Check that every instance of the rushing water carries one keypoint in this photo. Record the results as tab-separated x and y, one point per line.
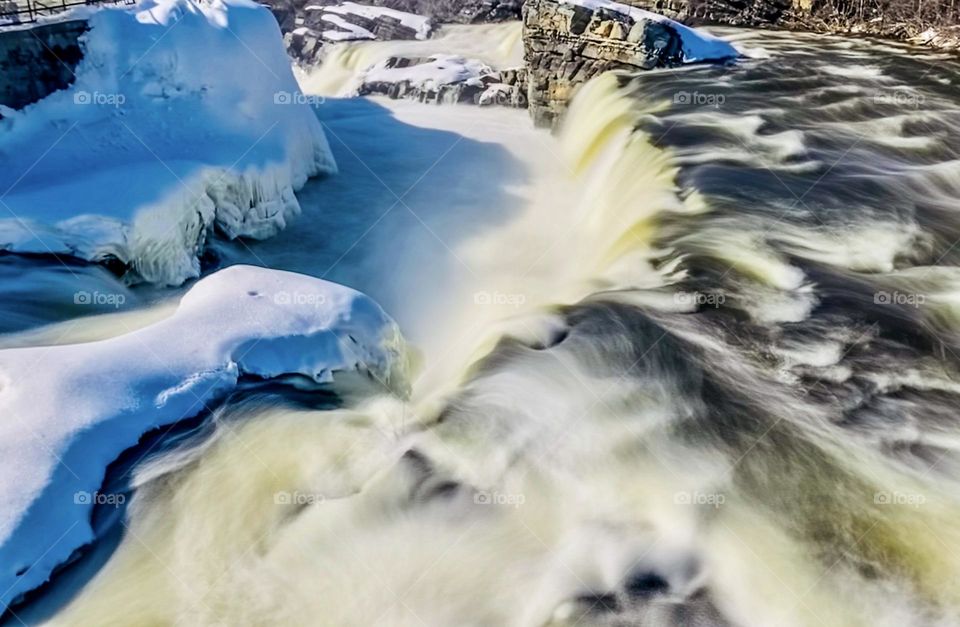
692	362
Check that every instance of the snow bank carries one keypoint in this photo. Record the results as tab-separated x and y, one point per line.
185	117
59	431
697	44
421	24
440	69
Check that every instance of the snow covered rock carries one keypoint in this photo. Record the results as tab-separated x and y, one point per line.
184	119
504	95
60	430
318	25
439	11
380	17
941	37
568	42
439	78
696	45
445	79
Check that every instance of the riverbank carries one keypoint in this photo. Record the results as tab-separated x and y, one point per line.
946	38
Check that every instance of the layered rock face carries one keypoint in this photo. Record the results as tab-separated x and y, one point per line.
35	62
566	45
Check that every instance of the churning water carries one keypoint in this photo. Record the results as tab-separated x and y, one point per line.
697	366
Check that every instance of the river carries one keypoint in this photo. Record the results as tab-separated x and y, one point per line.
691	361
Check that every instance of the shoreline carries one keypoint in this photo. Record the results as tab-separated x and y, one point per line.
933	38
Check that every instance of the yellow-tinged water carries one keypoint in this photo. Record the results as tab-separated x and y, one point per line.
593	426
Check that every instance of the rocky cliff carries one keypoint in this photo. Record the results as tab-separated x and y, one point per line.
37	61
567	44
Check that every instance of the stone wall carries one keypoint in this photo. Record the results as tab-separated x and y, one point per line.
567	45
35	62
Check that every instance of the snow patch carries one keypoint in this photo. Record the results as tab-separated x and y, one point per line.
59	431
184	118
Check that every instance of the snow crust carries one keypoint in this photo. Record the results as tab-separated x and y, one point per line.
59	431
184	118
697	44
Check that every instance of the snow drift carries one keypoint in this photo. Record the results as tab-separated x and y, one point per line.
184	118
59	432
